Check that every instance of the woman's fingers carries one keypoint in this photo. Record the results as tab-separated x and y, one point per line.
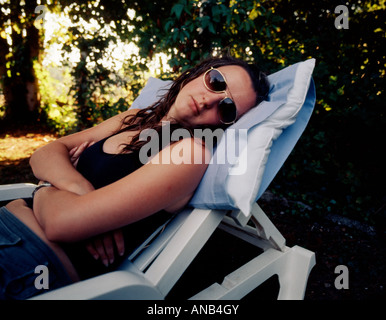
102	247
91	249
108	245
75	152
119	241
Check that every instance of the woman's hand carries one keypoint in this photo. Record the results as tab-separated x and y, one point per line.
75	152
102	246
74	155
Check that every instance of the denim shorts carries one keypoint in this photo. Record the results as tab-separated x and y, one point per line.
21	251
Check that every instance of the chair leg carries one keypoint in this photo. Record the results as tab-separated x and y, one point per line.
293	277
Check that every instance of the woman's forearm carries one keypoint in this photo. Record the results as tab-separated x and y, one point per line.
48	206
52	163
66	217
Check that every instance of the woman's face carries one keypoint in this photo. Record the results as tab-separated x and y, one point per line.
195	105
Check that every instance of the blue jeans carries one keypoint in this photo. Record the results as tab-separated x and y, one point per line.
21	251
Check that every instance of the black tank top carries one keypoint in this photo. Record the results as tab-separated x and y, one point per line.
101	169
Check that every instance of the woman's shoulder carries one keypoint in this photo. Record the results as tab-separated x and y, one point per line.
129	112
189	150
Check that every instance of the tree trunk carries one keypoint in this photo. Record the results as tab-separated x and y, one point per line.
33	46
20	85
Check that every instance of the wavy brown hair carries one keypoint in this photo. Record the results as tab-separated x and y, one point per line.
150	117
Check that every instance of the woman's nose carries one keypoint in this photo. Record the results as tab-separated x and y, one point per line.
212	99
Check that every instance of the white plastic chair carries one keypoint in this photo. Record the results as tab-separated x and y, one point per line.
153	269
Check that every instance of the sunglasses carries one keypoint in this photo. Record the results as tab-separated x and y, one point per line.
215	81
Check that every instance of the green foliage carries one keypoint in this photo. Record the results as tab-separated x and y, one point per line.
341	150
92	86
191	30
56	108
97	89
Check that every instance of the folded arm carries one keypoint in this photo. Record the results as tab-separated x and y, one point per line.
52	162
66	216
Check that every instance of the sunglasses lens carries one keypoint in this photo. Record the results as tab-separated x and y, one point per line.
227	111
215	81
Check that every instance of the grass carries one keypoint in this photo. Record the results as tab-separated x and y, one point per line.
14	148
15	151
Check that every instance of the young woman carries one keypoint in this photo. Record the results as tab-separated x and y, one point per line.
111	196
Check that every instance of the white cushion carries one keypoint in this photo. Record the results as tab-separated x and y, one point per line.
151	93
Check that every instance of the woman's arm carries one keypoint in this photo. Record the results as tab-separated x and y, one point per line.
52	162
68	217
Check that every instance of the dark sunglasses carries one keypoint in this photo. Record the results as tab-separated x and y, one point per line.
215	81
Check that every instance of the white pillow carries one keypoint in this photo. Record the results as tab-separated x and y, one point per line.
151	93
235	184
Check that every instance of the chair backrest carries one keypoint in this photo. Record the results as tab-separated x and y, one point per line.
282	147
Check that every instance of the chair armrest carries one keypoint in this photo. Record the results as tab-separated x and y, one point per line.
116	285
16	191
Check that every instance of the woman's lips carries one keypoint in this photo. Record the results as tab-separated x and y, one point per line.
195	108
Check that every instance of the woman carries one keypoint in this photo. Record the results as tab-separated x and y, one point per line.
111	193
